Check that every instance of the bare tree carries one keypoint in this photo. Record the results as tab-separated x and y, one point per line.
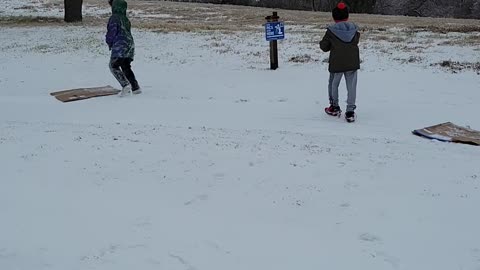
413	7
73	10
390	7
431	8
476	10
365	6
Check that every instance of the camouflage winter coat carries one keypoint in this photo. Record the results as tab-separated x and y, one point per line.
119	37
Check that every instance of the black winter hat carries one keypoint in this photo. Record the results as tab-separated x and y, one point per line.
340	12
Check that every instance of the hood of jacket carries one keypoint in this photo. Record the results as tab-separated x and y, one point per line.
119	7
345	31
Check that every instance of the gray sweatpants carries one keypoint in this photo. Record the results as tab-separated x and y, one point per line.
334	82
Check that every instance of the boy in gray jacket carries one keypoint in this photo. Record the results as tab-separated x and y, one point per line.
341	40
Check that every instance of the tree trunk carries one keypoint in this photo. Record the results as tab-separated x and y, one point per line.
476	10
73	10
414	8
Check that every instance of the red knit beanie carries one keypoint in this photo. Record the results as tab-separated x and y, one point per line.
340	12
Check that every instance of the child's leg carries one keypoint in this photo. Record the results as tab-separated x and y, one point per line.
351	80
333	84
127	70
115	64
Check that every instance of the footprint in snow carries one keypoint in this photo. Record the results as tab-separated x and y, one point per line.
201	197
367	237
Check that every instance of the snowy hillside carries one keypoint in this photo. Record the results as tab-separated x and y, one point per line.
224	164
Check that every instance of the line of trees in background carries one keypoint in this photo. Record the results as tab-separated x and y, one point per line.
419	8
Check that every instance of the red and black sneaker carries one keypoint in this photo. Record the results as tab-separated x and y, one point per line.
333	110
350	116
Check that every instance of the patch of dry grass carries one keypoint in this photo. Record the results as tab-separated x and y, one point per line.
207	17
456	67
411	60
304	58
469	40
29	21
404	34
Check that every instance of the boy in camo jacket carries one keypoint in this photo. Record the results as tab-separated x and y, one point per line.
120	41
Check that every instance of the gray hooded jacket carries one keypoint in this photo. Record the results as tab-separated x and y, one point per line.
341	40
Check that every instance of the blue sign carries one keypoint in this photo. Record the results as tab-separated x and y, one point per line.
274	31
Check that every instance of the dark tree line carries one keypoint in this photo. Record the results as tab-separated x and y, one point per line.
421	8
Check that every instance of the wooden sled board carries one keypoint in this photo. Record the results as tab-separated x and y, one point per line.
449	132
84	93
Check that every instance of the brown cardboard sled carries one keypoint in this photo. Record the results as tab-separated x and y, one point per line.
84	93
449	132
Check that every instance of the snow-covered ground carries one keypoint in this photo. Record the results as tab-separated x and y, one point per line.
43	8
224	164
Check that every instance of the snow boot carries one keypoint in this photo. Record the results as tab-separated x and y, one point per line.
333	110
350	116
126	90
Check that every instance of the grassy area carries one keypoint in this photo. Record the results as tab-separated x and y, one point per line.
29	21
174	16
384	34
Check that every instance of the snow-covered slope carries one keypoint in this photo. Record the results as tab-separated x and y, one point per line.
224	164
